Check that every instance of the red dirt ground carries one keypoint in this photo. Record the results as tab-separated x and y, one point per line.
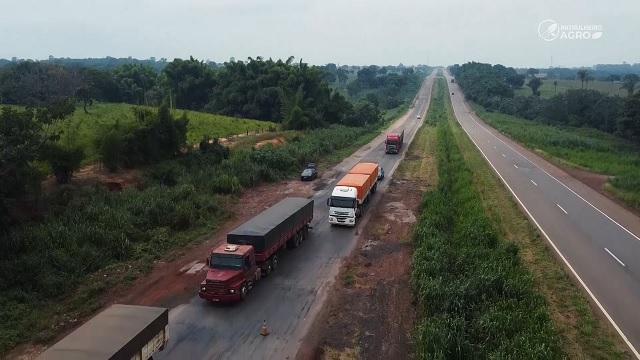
375	283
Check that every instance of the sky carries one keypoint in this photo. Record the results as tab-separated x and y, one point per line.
352	32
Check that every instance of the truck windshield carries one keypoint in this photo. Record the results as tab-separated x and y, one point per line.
219	261
342	202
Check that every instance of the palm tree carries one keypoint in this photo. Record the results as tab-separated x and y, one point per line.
555	87
586	81
629	83
583	75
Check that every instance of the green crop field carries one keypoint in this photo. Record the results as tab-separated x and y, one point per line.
548	90
82	128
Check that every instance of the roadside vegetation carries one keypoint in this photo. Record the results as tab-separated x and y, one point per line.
63	247
582	128
475	296
582	334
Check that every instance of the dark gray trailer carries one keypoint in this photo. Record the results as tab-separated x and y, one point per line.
121	332
284	223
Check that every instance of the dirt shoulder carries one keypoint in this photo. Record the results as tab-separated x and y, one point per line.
375	283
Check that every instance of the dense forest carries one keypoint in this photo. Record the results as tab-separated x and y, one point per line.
493	87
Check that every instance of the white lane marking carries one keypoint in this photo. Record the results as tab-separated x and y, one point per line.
515	166
615	257
504	156
534	183
565	211
494	147
573	271
560	182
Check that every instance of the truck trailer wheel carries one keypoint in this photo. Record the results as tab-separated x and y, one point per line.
274	262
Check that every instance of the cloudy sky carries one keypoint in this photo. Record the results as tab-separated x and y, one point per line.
358	32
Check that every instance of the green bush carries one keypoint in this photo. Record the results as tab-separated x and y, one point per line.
64	160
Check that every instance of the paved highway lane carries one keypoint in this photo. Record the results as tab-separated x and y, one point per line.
292	295
597	239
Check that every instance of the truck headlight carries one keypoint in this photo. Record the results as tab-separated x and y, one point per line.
203	288
232	291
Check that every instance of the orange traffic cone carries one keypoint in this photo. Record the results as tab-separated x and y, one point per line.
264	331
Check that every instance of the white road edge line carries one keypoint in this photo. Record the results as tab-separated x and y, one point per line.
560	182
565	211
615	257
534	183
633	349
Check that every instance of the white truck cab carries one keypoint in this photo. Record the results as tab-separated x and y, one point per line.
343	206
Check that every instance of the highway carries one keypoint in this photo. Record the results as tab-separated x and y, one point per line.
597	239
293	294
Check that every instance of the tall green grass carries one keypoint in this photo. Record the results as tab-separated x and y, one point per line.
88	230
475	298
585	148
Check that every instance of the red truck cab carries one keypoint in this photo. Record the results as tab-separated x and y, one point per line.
232	272
393	142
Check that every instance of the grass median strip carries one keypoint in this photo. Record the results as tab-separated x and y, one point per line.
475	297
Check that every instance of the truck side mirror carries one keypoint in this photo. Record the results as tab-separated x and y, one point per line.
328	202
385	141
207	260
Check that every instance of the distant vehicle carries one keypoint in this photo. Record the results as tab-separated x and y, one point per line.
451	93
380	173
452	80
119	332
419	117
310	173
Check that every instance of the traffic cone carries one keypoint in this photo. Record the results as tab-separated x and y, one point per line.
264	331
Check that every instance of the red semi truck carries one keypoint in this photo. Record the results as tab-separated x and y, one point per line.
394	142
252	249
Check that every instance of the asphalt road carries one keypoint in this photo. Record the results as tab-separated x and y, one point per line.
597	239
292	295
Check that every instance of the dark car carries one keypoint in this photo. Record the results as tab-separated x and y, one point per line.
380	173
310	173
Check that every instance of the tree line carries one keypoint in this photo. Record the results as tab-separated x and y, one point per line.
295	94
492	86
